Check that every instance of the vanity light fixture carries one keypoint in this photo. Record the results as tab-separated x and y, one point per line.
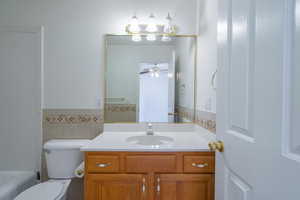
168	27
151	26
134	26
151	29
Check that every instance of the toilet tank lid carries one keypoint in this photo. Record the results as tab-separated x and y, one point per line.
65	144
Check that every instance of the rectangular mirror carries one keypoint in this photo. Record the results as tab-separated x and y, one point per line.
150	81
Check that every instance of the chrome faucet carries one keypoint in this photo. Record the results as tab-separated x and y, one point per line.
149	129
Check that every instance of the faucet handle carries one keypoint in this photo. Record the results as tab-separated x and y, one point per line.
149	129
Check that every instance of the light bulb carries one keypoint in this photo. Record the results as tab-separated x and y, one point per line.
136	38
134	26
166	38
151	37
168	28
152	26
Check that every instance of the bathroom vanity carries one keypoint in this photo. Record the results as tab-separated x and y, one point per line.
150	82
117	168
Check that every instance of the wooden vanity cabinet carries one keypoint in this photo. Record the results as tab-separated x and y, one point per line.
116	187
149	176
185	187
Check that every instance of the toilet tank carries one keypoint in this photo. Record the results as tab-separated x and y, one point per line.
63	157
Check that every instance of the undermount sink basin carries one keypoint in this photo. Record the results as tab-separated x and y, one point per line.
149	140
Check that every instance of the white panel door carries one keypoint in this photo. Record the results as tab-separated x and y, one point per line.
20	98
258	102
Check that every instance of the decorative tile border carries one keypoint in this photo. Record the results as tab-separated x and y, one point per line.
204	119
73	116
184	113
207	124
120	107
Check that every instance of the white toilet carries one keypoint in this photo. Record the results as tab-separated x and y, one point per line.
62	158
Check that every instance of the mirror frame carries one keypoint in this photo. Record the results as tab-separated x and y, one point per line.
105	77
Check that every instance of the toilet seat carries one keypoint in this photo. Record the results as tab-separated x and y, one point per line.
50	190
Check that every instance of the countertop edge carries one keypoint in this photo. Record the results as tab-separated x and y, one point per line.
143	150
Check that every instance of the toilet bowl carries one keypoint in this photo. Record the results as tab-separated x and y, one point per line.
62	158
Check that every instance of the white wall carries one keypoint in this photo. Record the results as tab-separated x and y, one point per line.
207	54
74	43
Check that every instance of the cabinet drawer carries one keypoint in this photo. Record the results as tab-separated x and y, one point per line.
151	163
103	163
202	164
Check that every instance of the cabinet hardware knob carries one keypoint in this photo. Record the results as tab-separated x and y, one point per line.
158	185
199	165
144	185
103	165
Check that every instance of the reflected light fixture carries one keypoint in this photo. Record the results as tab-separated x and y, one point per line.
136	38
151	37
166	38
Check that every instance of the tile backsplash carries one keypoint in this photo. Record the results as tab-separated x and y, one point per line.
72	123
204	119
184	114
120	113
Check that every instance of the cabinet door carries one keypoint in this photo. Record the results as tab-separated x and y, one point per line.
184	187
115	187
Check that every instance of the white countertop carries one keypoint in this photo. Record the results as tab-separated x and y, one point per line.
183	141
